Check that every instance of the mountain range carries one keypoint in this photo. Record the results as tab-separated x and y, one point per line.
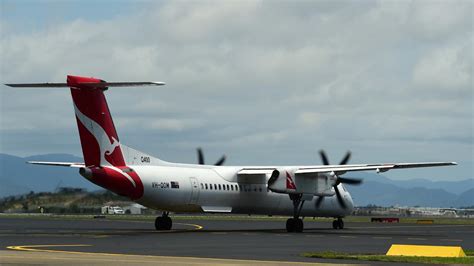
18	177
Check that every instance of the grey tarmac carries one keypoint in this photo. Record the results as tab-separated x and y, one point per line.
100	241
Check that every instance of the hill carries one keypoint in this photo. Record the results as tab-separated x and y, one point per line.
17	177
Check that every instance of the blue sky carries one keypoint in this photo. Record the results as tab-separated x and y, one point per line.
264	82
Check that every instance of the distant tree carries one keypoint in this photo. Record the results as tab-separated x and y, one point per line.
74	208
24	206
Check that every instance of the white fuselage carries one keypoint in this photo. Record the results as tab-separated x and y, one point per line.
197	188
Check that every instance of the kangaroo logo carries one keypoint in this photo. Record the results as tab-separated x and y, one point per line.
289	182
105	145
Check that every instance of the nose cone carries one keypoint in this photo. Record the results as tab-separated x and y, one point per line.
349	203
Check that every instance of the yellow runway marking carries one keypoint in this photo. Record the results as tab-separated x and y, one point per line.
169	259
196	226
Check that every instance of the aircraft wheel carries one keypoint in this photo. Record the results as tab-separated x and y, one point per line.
163	223
168	223
299	225
290	225
338	224
341	223
335	224
159	223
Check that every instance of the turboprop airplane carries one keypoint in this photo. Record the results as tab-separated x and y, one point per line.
296	191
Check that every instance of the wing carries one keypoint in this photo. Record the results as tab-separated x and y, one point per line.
65	164
342	169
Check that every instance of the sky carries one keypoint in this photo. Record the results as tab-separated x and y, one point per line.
265	82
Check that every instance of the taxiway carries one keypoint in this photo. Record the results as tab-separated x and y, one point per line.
244	241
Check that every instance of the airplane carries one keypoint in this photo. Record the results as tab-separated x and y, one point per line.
295	191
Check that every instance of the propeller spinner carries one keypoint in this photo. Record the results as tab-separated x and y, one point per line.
339	180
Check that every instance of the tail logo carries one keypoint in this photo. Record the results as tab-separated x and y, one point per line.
289	182
106	146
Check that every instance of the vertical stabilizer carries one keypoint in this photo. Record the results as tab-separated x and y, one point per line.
99	139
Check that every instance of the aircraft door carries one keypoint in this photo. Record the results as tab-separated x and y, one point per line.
194	190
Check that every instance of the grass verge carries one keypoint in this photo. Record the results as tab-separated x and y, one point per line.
407	259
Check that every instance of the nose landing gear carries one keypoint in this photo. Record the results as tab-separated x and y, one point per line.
163	222
338	224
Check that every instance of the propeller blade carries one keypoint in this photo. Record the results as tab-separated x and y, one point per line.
339	198
221	160
319	201
200	156
350	181
346	158
324	158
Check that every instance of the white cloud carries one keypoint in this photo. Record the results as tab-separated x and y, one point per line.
448	68
267	80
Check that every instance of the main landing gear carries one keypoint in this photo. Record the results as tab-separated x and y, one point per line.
163	222
295	224
338	224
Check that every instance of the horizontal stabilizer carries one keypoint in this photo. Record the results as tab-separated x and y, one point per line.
65	164
87	84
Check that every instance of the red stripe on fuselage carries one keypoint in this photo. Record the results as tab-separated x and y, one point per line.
117	182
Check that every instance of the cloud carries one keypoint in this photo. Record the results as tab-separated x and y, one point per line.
264	81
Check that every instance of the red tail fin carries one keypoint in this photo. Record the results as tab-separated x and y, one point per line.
99	139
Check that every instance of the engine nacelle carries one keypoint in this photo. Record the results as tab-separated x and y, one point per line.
286	181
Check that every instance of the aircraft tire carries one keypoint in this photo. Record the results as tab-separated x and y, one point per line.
168	223
163	223
159	223
335	224
299	226
290	225
341	224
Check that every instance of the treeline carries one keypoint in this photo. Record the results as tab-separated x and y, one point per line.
63	200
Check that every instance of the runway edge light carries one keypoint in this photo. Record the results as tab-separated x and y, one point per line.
426	251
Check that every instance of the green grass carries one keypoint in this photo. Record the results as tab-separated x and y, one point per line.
408	259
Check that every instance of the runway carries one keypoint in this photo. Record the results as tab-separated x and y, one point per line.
235	242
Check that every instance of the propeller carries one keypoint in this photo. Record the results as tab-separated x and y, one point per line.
339	180
200	155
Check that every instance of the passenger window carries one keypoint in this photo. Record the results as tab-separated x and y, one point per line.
202	186
215	187
232	187
219	186
206	186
